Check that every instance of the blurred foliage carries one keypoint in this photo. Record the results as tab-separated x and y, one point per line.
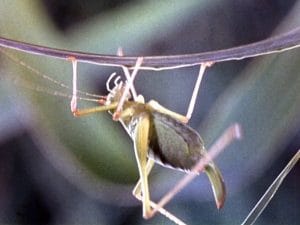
57	169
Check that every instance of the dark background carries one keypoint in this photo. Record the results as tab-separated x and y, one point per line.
34	190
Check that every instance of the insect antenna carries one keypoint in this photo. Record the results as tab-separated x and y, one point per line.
44	76
42	89
38	88
270	192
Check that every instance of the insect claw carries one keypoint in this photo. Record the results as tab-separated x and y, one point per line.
219	205
116	115
147	215
71	58
76	113
209	64
120	51
185	120
73	104
102	101
238	132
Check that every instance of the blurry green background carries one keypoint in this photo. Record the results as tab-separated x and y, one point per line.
57	169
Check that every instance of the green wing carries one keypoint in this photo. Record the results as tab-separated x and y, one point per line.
176	145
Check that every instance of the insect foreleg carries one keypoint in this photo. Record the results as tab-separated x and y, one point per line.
196	88
74	83
137	192
127	75
128	85
82	112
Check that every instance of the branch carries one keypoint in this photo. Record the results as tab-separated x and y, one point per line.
280	43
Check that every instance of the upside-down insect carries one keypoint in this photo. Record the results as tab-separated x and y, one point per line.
159	135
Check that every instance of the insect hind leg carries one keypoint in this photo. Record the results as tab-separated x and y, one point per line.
137	193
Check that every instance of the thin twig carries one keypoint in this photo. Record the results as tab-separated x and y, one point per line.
280	43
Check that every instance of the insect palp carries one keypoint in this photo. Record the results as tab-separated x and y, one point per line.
116	81
128	86
109	80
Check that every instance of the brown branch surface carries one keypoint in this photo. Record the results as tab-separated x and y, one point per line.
275	44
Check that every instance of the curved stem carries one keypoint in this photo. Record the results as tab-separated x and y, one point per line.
280	43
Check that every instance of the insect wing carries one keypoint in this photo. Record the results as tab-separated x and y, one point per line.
174	144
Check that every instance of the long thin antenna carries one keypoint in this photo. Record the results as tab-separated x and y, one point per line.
268	195
49	91
43	75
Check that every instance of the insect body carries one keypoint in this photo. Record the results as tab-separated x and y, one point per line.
159	135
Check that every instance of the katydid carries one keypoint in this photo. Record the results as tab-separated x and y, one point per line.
159	135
